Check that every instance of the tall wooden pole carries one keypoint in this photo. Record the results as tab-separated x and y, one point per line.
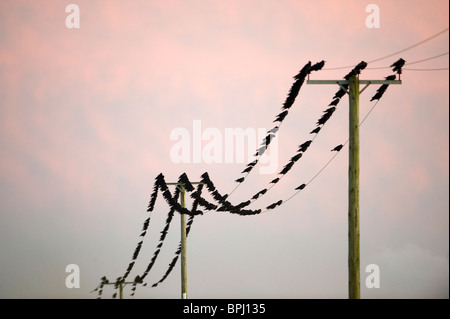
353	192
183	246
353	176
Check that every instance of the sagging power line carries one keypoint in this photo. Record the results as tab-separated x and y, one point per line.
221	201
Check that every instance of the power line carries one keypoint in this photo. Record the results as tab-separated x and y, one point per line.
330	160
414	62
438	69
397	52
427	59
225	205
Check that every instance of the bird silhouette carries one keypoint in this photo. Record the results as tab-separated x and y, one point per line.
356	70
300	187
303	147
272	206
338	148
240	180
287	168
334	102
303	72
280	117
325	117
391	77
361	66
296	157
316	130
273	130
380	92
261	192
339	94
398	65
318	66
247	170
274	181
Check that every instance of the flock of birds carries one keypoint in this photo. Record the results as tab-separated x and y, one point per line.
221	202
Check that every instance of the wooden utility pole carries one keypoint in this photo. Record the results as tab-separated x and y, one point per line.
183	238
121	290
121	285
353	191
183	246
353	175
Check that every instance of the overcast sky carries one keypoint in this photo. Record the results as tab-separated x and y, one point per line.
86	116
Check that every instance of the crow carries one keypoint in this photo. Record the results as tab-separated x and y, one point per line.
380	92
397	66
272	206
296	157
187	184
326	116
261	150
350	74
356	70
247	170
377	96
338	148
334	102
293	92
273	130
318	66
281	116
330	110
287	168
274	181
269	138
301	187
240	180
304	146
391	77
303	72
361	66
316	130
261	192
339	94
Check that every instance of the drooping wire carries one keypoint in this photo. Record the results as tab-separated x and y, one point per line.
271	134
224	205
303	147
397	52
188	228
302	186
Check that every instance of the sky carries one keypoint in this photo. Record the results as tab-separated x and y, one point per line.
87	114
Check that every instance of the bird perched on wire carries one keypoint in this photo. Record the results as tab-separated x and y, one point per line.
356	70
398	65
334	102
391	77
272	206
339	94
361	66
380	92
338	148
304	146
318	66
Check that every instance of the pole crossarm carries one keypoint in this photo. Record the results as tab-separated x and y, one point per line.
341	82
